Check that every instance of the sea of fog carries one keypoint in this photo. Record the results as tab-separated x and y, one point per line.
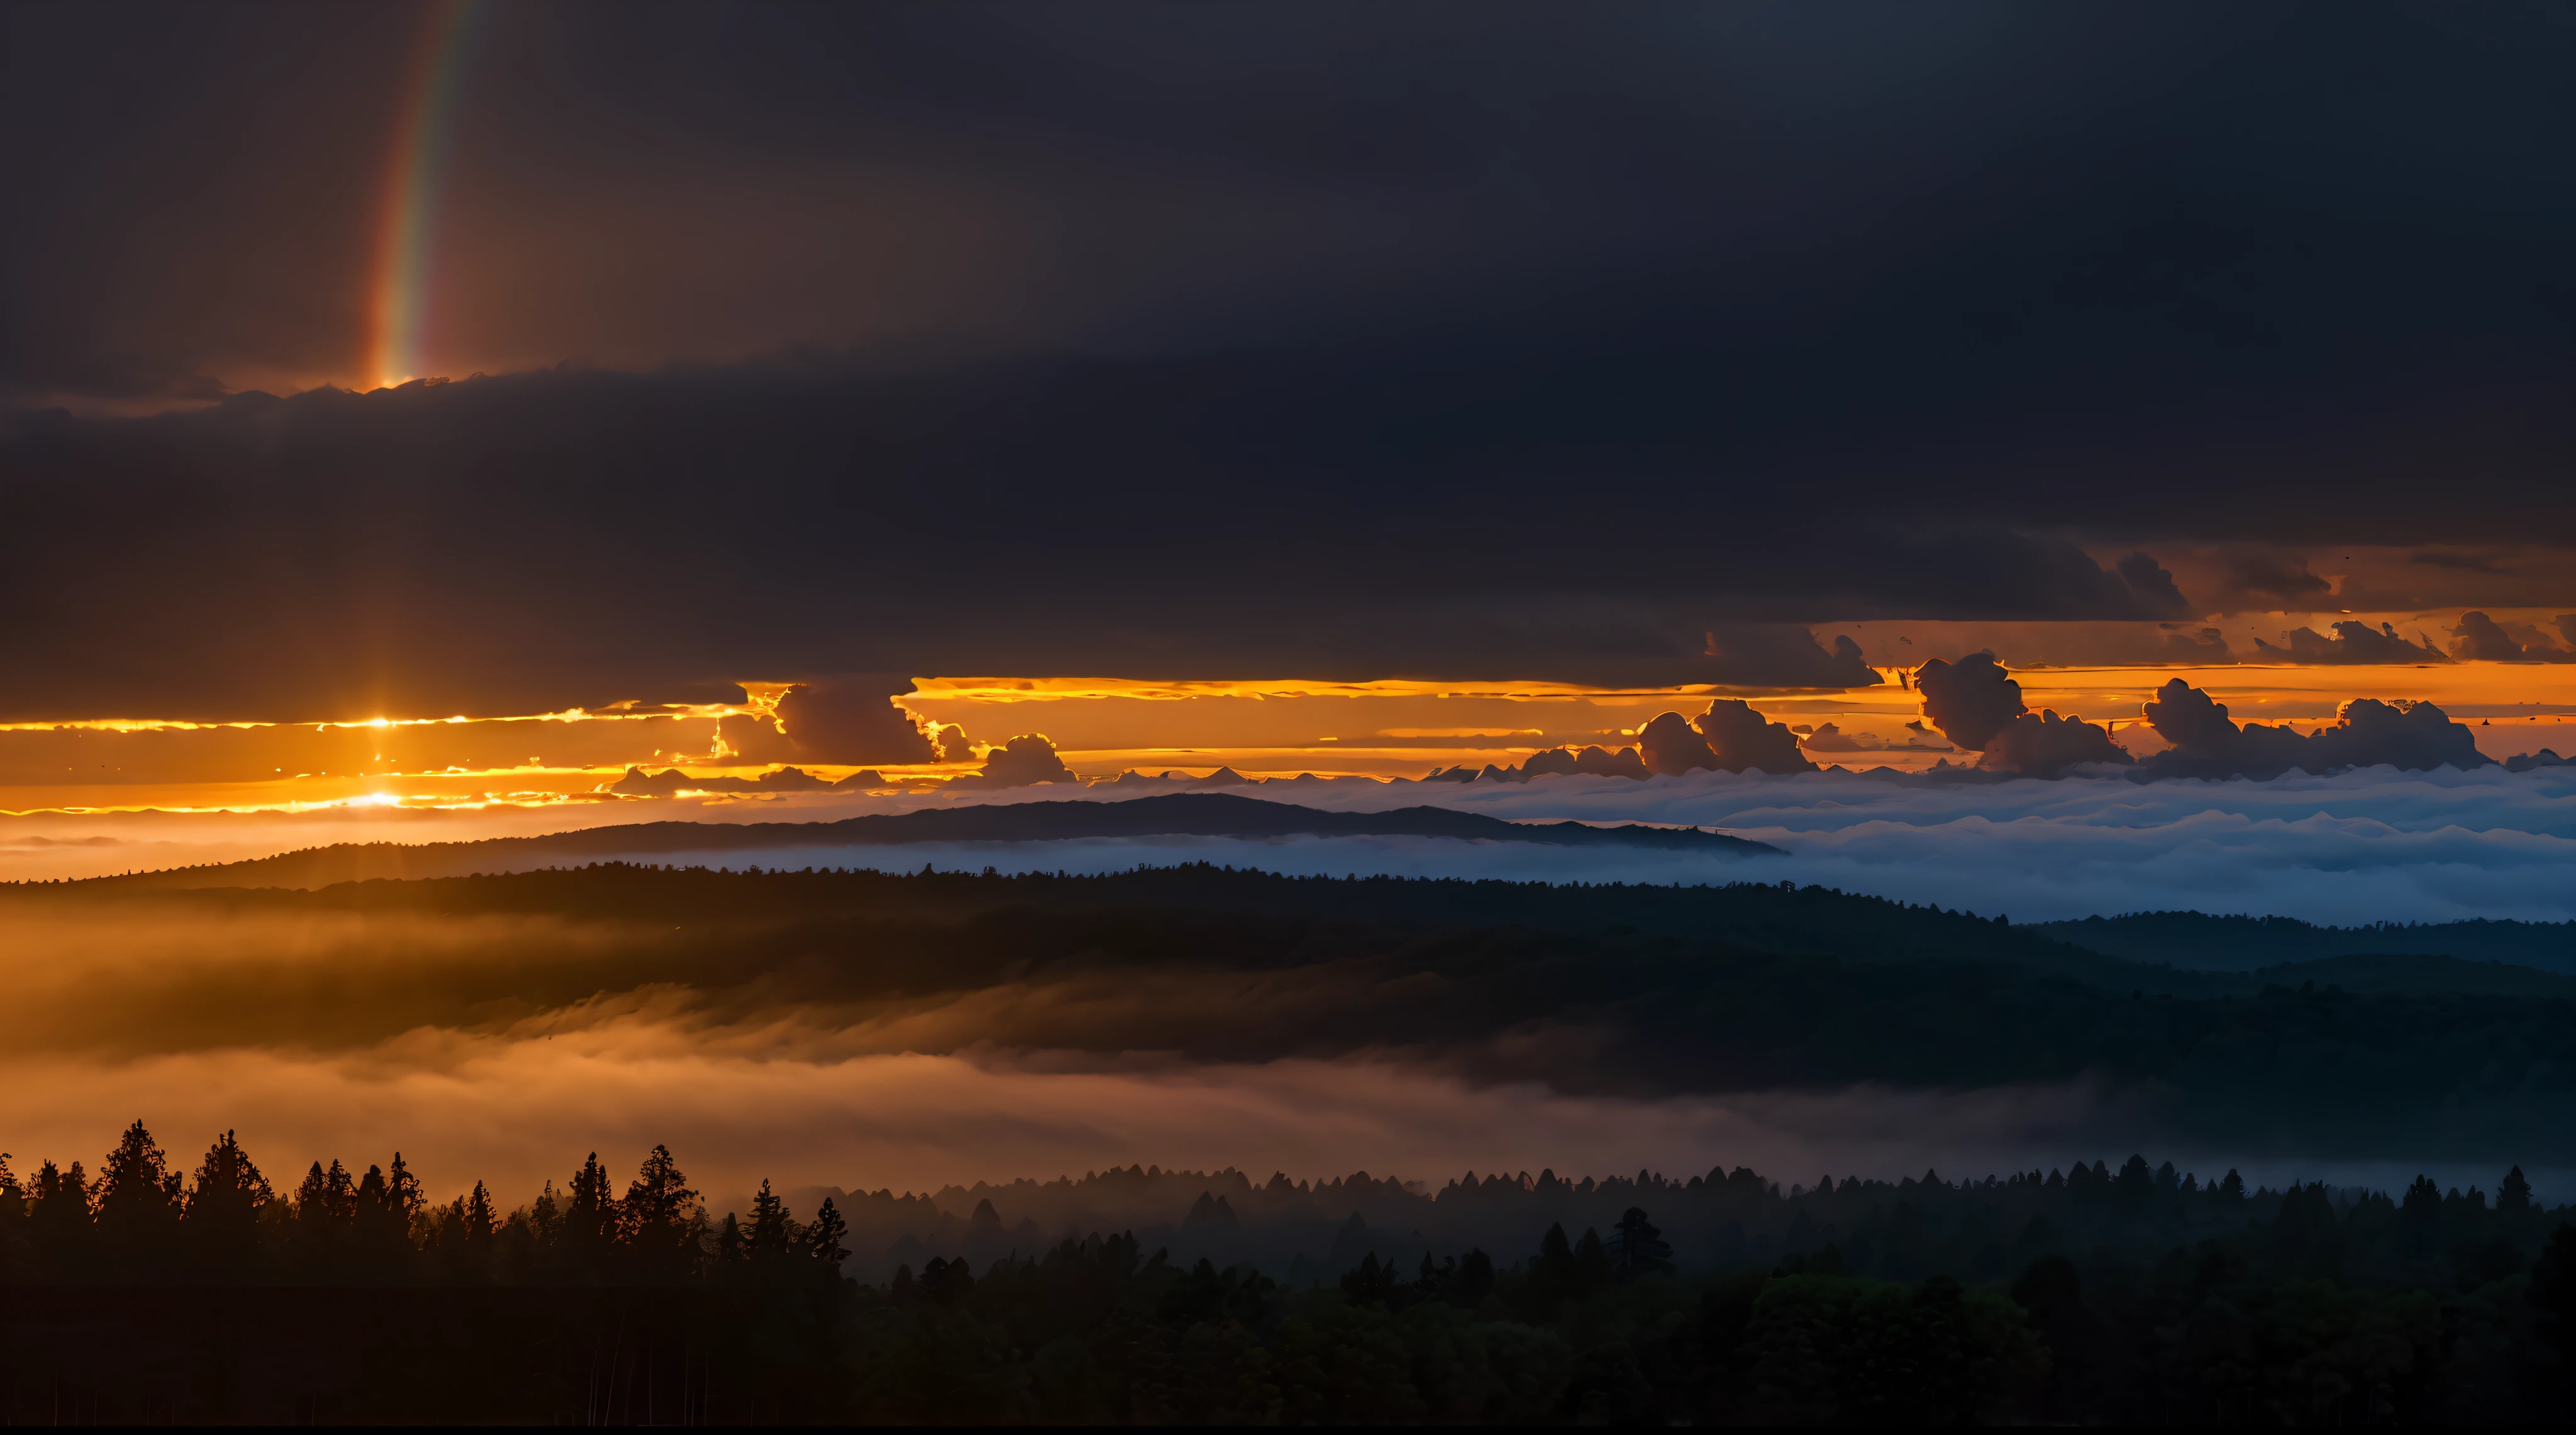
2368	846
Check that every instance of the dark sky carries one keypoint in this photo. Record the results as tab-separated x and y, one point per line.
1248	340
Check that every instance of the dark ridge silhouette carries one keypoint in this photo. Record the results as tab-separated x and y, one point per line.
2243	944
1179	814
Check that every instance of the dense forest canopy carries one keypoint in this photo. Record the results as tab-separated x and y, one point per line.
2080	1294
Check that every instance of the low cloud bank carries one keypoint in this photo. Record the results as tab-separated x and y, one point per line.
518	1112
2363	846
2410	736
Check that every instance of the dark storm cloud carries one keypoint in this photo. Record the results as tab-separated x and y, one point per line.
536	541
2479	637
2353	642
1761	655
2266	581
1446	341
1970	700
2042	744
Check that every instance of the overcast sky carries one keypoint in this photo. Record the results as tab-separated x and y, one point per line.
1222	341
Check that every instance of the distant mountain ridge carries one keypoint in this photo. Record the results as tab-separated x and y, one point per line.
1183	814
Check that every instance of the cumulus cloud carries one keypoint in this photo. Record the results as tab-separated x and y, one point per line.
1970	700
1742	739
2042	744
1670	746
2353	642
1783	655
1024	761
2480	638
1590	762
852	719
1978	706
1729	737
2404	734
953	744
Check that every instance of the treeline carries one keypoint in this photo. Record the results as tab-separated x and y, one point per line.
148	1292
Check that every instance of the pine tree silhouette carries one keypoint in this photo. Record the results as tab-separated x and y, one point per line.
772	1236
658	1202
545	1217
824	1239
2514	1193
136	1199
590	1213
403	1192
481	1221
223	1209
134	1181
1638	1247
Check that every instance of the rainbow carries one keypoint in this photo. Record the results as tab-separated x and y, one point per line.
399	305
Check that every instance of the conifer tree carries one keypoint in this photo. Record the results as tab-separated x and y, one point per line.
228	1184
312	1198
480	1219
824	1238
224	1205
60	1196
1592	1261
136	1200
1639	1247
658	1202
134	1181
403	1192
2514	1193
545	1217
590	1215
772	1227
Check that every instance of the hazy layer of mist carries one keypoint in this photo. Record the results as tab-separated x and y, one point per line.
2368	846
866	1046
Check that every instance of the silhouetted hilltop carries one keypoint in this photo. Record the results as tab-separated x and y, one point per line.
1180	814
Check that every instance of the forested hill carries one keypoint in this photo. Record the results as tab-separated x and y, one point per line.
1615	990
1185	814
2240	944
1774	917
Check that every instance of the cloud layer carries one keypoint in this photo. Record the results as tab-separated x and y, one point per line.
2366	846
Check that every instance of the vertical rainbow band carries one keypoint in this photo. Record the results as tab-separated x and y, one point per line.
399	312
